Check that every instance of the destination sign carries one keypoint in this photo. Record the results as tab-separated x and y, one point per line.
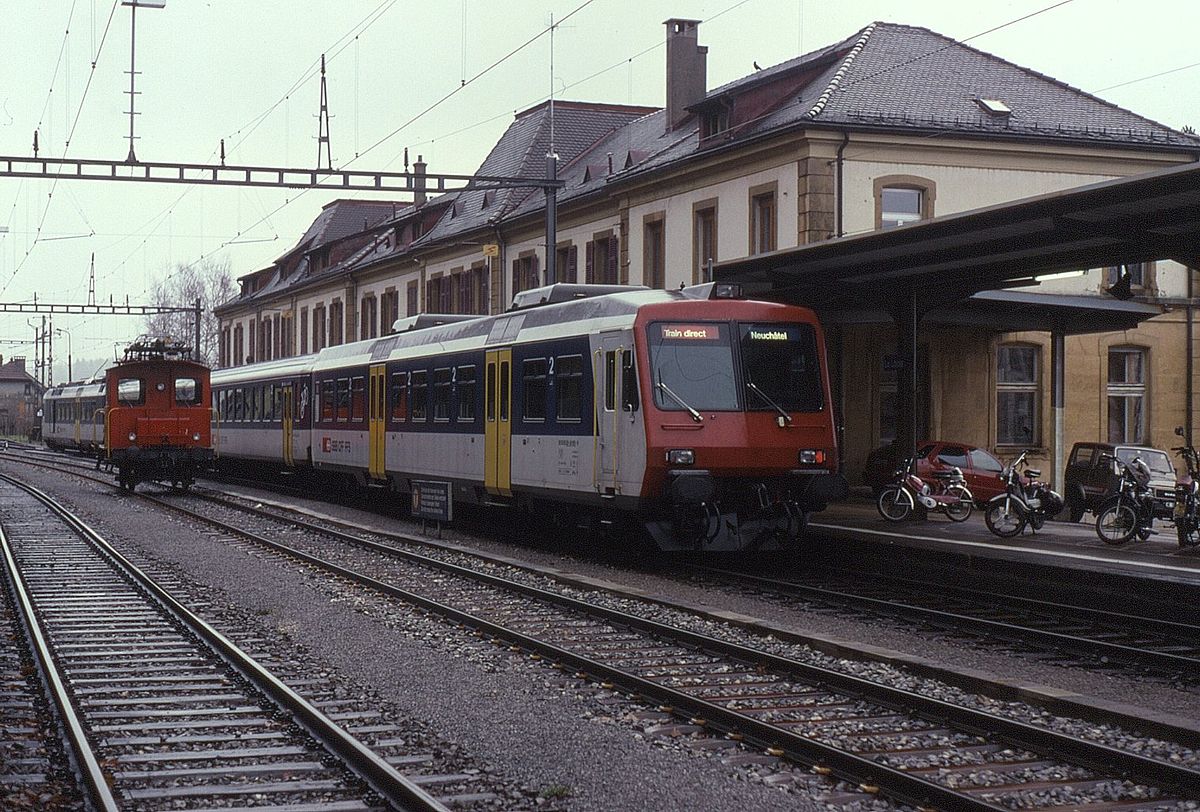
691	332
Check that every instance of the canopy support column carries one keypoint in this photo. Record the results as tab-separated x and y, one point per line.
1058	404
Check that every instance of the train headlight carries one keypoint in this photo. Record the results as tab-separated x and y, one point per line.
132	436
195	436
681	456
811	456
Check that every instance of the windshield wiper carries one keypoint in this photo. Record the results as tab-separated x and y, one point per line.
695	414
754	388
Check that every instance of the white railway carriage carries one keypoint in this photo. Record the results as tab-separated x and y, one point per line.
264	412
73	417
544	407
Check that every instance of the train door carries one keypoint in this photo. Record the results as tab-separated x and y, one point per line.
377	422
606	382
288	418
498	422
77	413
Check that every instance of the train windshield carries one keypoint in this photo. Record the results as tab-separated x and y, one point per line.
691	367
781	367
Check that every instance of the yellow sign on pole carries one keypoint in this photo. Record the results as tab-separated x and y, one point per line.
491	249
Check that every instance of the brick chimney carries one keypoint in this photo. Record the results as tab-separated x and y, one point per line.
419	180
687	77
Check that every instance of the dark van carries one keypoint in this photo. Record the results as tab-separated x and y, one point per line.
1090	479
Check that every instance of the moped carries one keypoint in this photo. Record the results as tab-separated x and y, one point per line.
1186	516
1130	511
908	493
1026	501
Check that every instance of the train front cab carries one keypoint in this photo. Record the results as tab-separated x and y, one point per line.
740	445
157	421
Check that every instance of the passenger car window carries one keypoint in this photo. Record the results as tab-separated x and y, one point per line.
1084	456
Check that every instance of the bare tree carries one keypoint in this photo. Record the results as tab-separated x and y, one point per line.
208	280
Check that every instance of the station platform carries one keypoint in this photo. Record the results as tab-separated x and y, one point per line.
1058	545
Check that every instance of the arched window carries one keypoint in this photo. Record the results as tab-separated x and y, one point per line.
1127	395
901	199
1018	395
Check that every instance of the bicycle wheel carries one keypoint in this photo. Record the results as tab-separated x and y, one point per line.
894	504
1004	521
1116	524
960	510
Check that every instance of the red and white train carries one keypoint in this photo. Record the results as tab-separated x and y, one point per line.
149	418
697	414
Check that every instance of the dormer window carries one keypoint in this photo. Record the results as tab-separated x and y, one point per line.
714	122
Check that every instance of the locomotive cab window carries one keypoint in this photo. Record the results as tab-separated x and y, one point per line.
691	367
781	367
131	392
187	391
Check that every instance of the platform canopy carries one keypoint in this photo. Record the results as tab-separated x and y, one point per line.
949	259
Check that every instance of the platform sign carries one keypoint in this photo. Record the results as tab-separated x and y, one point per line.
432	500
491	249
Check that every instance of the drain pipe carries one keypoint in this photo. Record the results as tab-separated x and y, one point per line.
1189	404
838	162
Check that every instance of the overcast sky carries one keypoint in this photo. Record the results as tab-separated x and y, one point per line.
224	69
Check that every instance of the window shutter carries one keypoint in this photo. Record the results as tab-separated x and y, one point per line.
516	275
572	269
611	271
590	262
535	277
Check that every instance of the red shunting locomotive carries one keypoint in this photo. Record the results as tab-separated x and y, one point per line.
157	418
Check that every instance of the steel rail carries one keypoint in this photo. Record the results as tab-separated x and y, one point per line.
1087	645
902	785
374	770
95	785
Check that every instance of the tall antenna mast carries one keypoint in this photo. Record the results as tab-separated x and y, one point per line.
323	124
92	282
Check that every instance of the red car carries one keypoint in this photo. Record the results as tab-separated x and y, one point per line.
979	467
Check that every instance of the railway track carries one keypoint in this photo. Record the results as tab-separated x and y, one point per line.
159	709
1053	631
875	738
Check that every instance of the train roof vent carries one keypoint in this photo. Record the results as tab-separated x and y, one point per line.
424	321
566	292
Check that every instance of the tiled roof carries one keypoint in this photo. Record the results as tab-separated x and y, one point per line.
521	151
15	371
903	77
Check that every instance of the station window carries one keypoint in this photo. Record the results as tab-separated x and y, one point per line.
441	394
466	390
358	399
1126	392
131	392
901	199
1018	395
420	395
533	375
568	388
399	396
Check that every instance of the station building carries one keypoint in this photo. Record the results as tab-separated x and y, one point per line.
20	399
892	125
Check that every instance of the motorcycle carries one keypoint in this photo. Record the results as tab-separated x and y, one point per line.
1130	511
1186	516
1026	501
908	493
